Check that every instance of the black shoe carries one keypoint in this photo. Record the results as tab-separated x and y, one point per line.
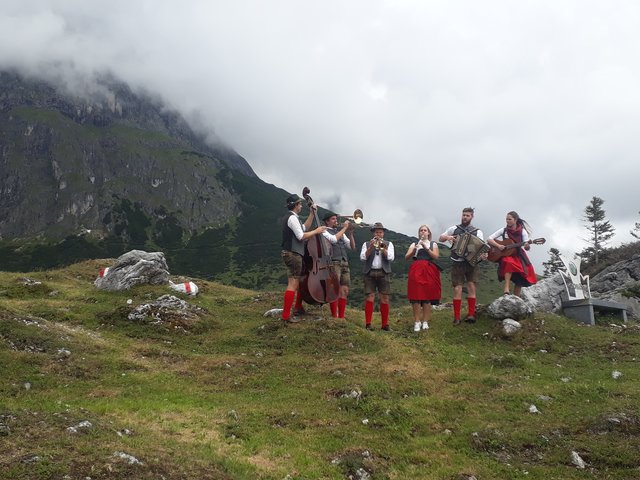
470	319
368	326
456	322
300	311
386	328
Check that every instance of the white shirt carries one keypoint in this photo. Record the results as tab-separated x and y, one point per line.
296	227
333	239
377	257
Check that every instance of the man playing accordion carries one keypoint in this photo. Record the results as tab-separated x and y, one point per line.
461	270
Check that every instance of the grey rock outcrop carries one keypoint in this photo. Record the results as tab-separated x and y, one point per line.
509	306
135	268
546	295
619	282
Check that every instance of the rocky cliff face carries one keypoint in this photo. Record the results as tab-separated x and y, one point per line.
94	160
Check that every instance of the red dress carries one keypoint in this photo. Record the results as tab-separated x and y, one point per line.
521	268
424	279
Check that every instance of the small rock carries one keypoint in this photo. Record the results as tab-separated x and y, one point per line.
510	326
362	474
63	353
27	386
544	398
84	425
365	421
533	409
565	379
32	459
577	460
274	312
129	301
616	374
130	459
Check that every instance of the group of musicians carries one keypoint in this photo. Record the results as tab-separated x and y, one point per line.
423	285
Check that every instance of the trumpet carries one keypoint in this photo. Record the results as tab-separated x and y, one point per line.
378	243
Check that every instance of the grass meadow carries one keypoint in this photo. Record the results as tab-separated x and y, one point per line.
227	393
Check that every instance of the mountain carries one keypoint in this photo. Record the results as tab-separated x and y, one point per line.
79	162
94	169
96	172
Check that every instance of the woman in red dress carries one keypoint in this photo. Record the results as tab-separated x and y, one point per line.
423	286
516	268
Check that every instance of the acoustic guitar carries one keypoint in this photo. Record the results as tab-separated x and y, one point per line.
511	248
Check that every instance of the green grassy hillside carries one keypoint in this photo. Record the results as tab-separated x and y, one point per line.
226	393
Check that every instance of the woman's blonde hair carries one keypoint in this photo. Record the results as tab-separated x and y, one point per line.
427	227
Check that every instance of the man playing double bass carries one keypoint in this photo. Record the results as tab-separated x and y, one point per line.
461	270
294	233
341	241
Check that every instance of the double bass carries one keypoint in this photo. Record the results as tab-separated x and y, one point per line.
319	283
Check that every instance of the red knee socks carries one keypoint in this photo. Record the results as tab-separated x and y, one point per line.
334	308
288	301
457	303
472	306
384	313
368	312
342	305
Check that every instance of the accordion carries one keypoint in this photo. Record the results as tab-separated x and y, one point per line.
470	248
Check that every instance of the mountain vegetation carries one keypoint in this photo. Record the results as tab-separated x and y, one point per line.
94	387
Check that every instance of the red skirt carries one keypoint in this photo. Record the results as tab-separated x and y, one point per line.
424	281
522	273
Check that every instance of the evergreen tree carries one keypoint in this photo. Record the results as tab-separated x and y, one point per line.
636	230
600	230
554	264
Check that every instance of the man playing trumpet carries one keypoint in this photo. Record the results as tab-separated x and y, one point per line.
341	241
377	255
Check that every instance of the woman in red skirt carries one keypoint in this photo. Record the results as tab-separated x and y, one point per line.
515	267
423	286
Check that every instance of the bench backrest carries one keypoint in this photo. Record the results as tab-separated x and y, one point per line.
576	284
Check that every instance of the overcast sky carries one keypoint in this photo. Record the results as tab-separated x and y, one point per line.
409	110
